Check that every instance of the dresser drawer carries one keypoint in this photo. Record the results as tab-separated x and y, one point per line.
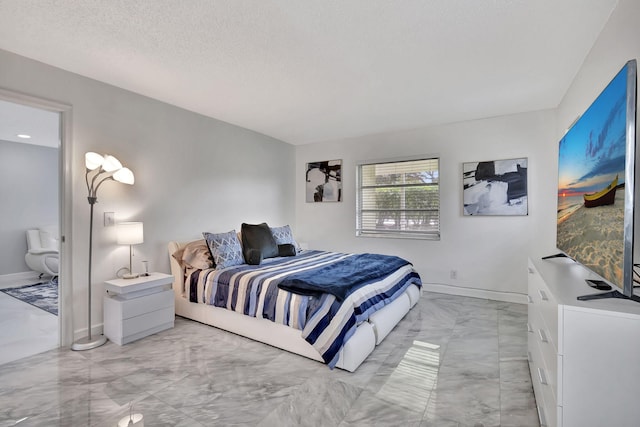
544	390
546	364
549	314
543	303
546	347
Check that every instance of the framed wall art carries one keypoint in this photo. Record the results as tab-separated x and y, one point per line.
324	181
496	187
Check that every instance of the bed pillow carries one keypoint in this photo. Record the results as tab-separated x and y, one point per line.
253	257
287	250
194	255
225	248
284	235
258	237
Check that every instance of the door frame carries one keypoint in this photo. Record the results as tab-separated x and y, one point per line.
65	204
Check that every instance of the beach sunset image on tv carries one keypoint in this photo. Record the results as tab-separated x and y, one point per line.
591	179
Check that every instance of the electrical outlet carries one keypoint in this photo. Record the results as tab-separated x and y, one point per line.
109	219
453	274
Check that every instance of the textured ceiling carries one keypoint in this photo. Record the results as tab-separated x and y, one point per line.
317	70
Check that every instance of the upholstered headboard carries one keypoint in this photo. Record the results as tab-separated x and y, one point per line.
176	270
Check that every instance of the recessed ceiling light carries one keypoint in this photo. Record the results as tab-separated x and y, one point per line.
23	136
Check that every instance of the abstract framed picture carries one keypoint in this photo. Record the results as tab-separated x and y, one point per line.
496	187
324	181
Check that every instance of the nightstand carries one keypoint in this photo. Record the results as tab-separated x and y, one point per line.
136	308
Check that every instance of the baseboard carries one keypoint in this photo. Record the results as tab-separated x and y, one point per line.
17	279
476	293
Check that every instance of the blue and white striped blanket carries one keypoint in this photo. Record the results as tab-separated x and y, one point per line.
325	322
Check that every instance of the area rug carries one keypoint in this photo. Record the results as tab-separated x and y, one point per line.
41	295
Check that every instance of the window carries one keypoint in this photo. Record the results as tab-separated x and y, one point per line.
399	199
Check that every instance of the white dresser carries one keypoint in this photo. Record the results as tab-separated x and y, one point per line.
136	308
584	356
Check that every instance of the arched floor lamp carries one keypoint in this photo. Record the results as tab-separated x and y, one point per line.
99	169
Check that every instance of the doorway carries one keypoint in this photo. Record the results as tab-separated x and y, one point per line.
35	186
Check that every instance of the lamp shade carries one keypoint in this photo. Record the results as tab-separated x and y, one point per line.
111	164
124	176
130	233
93	160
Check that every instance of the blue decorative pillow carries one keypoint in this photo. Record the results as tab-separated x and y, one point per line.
283	235
225	248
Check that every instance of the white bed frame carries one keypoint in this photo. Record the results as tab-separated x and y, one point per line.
355	351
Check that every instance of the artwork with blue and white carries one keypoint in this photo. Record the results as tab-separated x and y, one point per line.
324	181
496	187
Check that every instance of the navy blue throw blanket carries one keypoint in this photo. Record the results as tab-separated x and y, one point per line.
343	277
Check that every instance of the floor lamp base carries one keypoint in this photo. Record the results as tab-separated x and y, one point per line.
86	344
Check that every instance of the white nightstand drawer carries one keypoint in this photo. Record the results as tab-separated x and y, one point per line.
141	326
140	286
147	321
126	309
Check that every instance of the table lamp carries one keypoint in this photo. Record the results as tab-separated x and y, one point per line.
130	233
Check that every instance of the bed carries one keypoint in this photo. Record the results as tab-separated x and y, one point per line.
252	301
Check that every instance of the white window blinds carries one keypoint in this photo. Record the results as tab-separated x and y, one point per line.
399	199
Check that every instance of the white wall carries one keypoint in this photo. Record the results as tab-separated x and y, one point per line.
193	173
488	253
29	191
618	42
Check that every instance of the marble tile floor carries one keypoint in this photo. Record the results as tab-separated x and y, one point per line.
25	330
452	361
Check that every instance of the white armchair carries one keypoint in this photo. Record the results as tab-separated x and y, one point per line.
43	251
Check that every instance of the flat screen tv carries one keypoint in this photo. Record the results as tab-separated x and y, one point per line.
596	176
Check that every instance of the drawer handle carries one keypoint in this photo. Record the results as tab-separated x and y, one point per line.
529	328
543	335
543	418
542	376
543	295
529	300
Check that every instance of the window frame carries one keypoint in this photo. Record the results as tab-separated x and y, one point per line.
395	234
